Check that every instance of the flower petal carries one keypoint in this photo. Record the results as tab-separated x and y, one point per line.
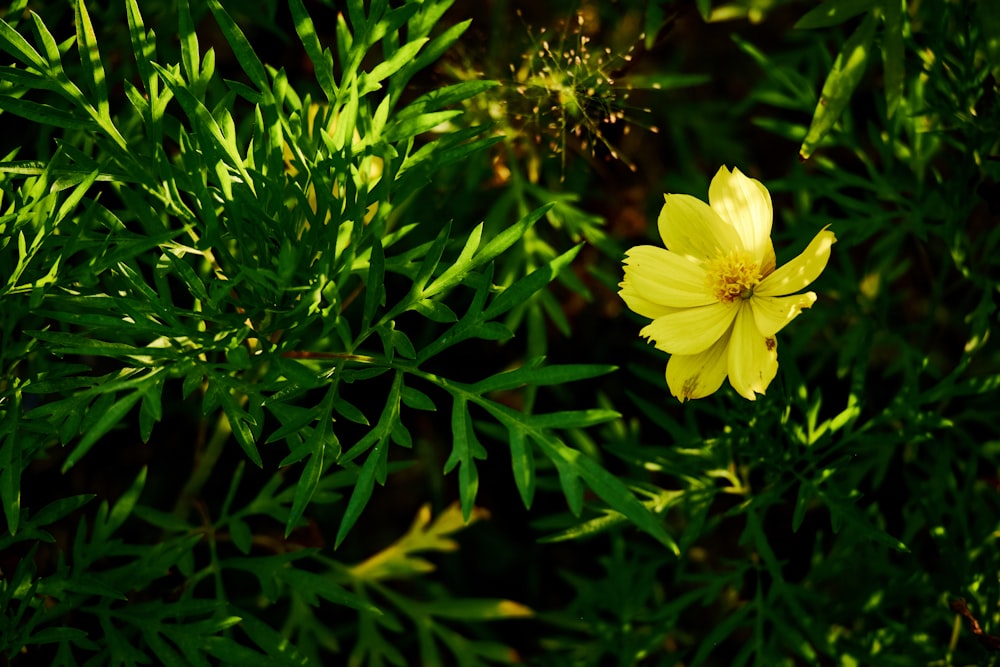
690	227
697	375
752	358
664	278
644	307
802	270
772	313
691	330
745	204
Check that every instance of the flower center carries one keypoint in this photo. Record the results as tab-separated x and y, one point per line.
732	276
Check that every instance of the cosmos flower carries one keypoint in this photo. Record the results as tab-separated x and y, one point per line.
714	294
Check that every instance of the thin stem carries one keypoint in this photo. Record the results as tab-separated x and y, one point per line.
203	467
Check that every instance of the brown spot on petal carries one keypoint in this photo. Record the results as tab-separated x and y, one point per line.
687	391
771	344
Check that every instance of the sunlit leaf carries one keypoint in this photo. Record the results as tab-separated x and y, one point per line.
840	83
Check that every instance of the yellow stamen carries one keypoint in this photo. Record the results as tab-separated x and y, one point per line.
732	276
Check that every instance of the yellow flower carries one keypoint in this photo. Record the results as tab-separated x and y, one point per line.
714	295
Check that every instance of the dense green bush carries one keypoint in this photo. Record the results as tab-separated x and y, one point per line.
312	353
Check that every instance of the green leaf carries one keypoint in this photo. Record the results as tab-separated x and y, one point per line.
345	43
400	559
202	119
523	464
389	67
126	503
57	509
401	343
315	445
64	177
321	58
574	418
461	266
90	58
833	12
418	167
570	482
70	343
163	520
470	259
385	23
430	261
23	78
191	280
280	651
45	114
151	408
434	50
407	128
608	520
847	71
359	21
188	37
53	53
704	8
311	474
720	630
312	585
989	22
843	511
71	413
104	529
508	237
143	47
465	450
400	435
10	461
417	400
342	136
374	468
794	87
608	488
240	423
308	584
491	331
524	287
434	311
10	477
107	420
241	535
374	285
13	43
802	502
479	609
442	97
539	375
424	21
893	57
349	411
75	197
52	635
471	323
242	49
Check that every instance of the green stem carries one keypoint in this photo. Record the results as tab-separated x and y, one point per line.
203	467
